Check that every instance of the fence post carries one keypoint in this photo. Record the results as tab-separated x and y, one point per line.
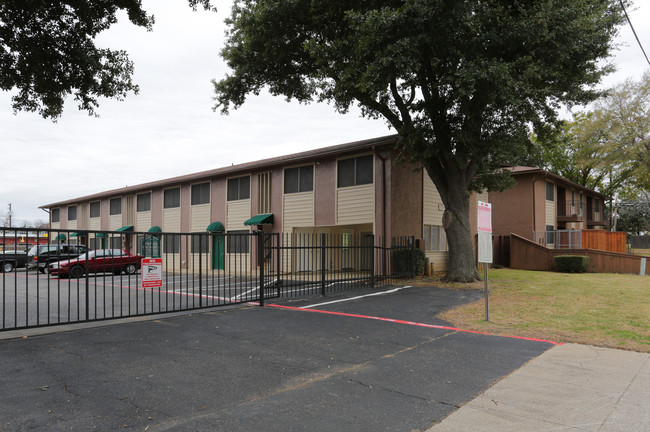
200	239
278	238
323	239
372	264
260	257
411	242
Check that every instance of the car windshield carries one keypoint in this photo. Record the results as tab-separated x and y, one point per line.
82	256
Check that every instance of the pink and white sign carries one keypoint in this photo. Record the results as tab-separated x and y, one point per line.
484	217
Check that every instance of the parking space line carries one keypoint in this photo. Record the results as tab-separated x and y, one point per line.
411	323
357	297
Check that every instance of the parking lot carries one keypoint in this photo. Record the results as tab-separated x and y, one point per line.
380	362
30	298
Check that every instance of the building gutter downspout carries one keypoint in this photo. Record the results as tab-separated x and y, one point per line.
383	191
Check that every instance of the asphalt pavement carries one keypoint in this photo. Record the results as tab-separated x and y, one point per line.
344	363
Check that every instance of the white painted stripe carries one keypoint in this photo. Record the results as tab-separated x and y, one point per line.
358	297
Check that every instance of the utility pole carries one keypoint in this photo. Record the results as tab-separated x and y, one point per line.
9	215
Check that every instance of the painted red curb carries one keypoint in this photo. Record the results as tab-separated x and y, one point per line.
410	323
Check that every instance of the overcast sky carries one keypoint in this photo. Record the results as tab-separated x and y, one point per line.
169	128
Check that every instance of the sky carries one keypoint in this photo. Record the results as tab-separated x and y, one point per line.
170	128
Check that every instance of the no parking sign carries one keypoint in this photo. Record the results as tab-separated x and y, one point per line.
151	272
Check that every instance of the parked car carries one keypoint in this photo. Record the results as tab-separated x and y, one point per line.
97	261
41	256
12	259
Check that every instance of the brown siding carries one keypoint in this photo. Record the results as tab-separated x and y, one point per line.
218	200
325	192
185	207
157	207
406	200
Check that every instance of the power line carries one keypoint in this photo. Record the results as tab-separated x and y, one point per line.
634	31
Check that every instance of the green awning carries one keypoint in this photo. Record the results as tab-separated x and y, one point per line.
155	229
78	234
61	237
260	219
215	227
101	235
126	228
74	235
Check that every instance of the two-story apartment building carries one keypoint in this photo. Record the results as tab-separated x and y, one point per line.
542	202
352	190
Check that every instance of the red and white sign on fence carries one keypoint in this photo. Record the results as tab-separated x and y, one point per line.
151	272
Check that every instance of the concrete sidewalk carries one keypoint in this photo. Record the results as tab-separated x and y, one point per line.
568	388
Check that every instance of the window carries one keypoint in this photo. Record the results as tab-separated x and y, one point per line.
239	188
354	172
143	203
573	198
172	198
596	205
200	243
435	238
172	243
238	241
56	215
550	191
95	208
72	213
550	234
299	179
115	206
116	242
201	193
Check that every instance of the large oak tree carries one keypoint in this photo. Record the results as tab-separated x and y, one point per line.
48	52
461	81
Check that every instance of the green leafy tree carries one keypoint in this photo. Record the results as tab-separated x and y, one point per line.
460	81
634	217
47	52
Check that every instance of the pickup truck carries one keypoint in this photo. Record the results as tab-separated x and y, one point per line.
10	260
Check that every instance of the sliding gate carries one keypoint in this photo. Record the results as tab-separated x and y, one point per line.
52	277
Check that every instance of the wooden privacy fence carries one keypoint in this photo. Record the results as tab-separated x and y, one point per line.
604	240
528	255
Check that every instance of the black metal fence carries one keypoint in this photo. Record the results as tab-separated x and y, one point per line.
51	277
640	242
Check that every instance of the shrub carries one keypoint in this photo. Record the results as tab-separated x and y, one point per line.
571	263
403	261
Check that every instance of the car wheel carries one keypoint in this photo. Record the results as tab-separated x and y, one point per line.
7	267
41	269
130	269
77	271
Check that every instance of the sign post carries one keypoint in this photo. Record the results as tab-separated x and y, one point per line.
485	245
151	272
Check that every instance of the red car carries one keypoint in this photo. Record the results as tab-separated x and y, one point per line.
97	261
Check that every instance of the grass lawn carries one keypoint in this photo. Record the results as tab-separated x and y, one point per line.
608	310
642	252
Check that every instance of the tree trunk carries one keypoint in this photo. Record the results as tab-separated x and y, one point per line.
454	191
462	263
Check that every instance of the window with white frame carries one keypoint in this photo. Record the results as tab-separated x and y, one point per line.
115	206
95	209
172	198
239	188
143	202
72	213
299	179
354	171
435	238
200	193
